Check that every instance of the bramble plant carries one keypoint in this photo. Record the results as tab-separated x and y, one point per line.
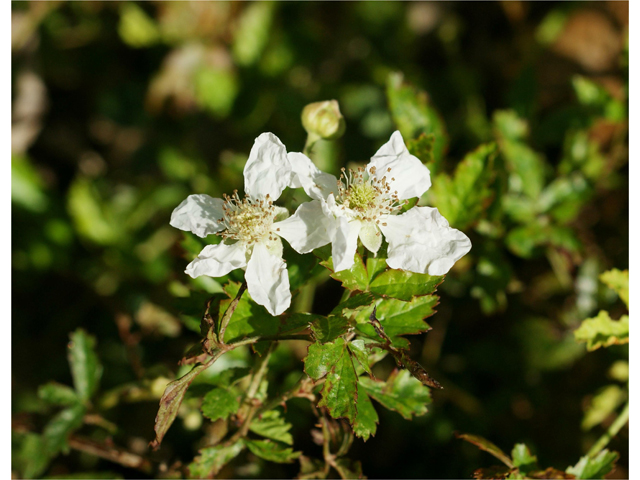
388	292
392	282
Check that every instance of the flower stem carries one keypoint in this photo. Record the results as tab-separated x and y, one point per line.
611	432
229	313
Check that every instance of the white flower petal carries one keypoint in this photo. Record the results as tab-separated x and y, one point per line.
370	236
421	241
307	229
218	260
268	281
305	174
267	171
199	214
345	243
407	175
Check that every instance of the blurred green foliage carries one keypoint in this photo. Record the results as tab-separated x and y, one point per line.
121	110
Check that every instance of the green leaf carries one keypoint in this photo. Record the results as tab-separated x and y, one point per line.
596	467
487	446
355	278
524	241
353	304
464	198
85	366
414	115
215	88
619	281
327	329
220	403
91	220
249	318
359	351
32	459
602	331
398	318
339	392
271	451
27	185
526	167
404	285
136	28
57	394
252	32
564	197
422	147
170	403
212	459
523	459
603	404
366	421
57	431
322	357
401	392
273	426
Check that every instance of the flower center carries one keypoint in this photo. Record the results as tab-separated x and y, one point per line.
247	220
366	196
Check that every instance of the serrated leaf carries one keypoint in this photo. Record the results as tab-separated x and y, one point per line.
398	318
86	369
353	304
487	446
596	467
603	331
401	392
354	278
603	404
327	329
414	115
212	459
273	426
249	319
339	392
322	357
220	403
463	198
57	394
523	459
404	285
358	350
170	402
57	431
619	281
271	451
366	422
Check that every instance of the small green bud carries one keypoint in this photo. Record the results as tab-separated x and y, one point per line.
323	120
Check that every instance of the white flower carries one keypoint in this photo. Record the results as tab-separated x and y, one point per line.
251	236
365	204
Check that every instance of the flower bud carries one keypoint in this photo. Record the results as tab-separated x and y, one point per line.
323	120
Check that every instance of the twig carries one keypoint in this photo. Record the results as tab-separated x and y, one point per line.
611	432
111	453
229	313
251	393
